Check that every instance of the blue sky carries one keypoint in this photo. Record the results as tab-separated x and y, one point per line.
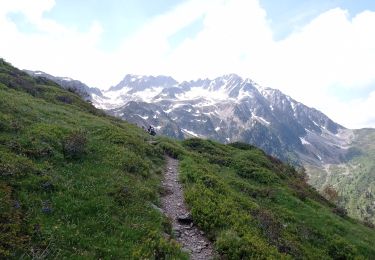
121	18
320	52
288	15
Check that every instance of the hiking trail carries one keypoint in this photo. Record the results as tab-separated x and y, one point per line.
187	234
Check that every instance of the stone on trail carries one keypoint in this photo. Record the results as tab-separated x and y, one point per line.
185	219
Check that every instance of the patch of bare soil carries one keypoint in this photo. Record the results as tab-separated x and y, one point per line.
187	234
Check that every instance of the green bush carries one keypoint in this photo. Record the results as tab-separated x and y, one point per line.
133	163
171	149
232	246
155	246
34	149
243	146
221	160
12	236
123	195
269	224
4	123
206	147
15	166
256	173
340	249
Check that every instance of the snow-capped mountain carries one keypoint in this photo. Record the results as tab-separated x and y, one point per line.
228	109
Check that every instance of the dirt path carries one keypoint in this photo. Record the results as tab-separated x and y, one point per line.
187	234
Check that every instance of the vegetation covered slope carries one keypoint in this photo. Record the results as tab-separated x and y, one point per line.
254	206
76	183
72	181
354	179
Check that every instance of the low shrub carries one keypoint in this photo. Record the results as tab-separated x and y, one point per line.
220	160
20	81
171	150
233	246
300	189
256	173
133	163
12	236
243	146
64	99
122	195
74	145
155	246
31	148
4	123
207	147
269	224
342	212
367	222
341	249
15	166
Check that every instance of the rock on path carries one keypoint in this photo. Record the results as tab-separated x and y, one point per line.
173	205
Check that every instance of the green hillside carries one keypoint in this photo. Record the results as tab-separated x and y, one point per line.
77	183
353	179
73	181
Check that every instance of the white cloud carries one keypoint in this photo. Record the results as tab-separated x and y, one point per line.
51	46
235	38
333	50
357	113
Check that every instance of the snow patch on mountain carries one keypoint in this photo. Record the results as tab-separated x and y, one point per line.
261	120
303	141
189	132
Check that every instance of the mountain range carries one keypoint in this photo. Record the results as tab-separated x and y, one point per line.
230	109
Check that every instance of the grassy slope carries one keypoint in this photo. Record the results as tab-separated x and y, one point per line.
95	205
355	179
254	206
96	202
360	191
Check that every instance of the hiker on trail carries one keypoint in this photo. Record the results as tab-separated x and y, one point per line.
151	130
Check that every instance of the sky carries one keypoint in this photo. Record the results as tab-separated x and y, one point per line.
319	52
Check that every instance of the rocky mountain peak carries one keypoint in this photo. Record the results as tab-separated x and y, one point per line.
139	83
227	108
